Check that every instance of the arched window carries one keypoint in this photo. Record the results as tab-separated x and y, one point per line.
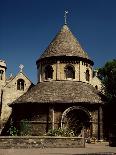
20	84
87	75
48	72
1	74
70	72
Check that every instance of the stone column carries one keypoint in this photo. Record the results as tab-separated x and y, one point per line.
51	117
58	70
40	72
1	102
95	129
100	123
79	71
94	124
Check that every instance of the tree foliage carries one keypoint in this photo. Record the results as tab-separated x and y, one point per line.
107	74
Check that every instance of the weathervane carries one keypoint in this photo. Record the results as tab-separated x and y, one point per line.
65	17
21	67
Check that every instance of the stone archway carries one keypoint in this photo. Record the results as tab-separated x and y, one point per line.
76	118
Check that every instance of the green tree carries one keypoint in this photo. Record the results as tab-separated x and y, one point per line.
107	74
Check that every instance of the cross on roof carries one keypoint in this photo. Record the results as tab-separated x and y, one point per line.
65	17
21	67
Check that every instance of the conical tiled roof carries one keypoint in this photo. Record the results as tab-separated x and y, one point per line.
64	44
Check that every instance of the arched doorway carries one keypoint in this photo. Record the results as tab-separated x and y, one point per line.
77	118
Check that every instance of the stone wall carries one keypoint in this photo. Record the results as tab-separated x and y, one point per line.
39	119
59	74
41	142
96	82
31	120
80	72
94	114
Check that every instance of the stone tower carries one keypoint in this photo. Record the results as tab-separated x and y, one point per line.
65	59
2	83
2	73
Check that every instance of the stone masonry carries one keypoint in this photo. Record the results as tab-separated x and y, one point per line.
9	91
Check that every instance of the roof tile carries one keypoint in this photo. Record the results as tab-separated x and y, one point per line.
61	92
64	44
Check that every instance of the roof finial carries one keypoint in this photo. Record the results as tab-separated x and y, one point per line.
11	75
21	67
65	17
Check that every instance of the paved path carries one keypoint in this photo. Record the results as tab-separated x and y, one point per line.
90	148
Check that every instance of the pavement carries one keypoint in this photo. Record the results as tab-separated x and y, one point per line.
90	149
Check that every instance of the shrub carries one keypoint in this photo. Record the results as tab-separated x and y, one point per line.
13	131
24	127
65	132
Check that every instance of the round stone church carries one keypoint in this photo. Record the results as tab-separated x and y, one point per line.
67	94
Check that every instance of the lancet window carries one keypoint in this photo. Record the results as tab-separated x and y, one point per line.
87	75
1	74
20	84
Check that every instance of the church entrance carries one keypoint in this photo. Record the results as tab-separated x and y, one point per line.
77	118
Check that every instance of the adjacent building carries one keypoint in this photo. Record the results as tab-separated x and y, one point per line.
10	89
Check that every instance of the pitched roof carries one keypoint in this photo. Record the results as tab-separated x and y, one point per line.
64	44
18	75
60	92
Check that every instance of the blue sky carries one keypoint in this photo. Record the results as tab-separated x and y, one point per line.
28	26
